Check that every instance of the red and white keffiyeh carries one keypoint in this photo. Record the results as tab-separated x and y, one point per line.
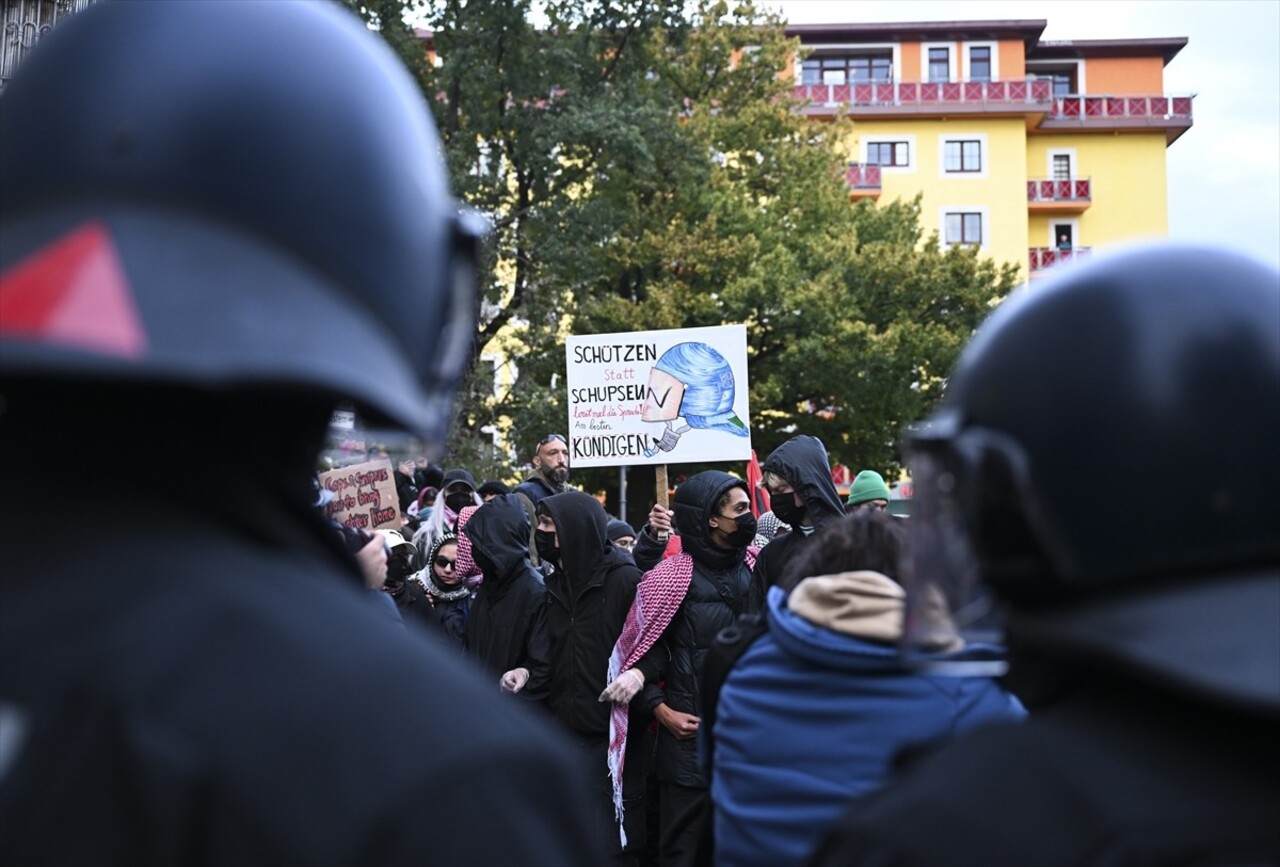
465	569
658	597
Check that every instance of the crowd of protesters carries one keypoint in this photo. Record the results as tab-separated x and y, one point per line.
513	676
609	629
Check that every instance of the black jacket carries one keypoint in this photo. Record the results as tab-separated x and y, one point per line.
588	598
802	461
536	488
1113	773
507	626
206	682
719	592
531	492
406	490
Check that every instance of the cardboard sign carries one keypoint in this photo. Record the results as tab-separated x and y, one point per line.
658	397
364	496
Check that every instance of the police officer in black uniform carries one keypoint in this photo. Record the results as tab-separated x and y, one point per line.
220	221
1107	450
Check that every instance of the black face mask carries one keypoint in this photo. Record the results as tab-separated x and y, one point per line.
546	543
784	506
459	501
744	532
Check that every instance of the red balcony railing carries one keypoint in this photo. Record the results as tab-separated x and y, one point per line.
998	95
1045	190
860	177
914	93
1045	257
1146	108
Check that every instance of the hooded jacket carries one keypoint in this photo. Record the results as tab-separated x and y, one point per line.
718	593
588	598
816	710
802	461
532	491
508	627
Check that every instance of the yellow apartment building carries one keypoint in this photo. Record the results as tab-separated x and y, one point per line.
1033	151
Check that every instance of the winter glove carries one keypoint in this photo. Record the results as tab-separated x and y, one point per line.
514	680
624	687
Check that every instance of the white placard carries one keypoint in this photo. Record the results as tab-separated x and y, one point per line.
658	397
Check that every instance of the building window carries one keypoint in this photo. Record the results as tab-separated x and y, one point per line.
857	68
888	153
1062	167
939	65
963	227
979	63
962	156
1064	76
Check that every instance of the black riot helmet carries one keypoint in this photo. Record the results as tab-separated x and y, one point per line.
232	195
1108	453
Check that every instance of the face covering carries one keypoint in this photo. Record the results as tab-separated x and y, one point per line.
787	511
546	543
744	532
459	501
486	566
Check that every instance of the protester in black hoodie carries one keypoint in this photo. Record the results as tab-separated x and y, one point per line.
798	474
589	593
707	586
507	631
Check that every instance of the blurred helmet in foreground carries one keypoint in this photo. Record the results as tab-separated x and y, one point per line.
1106	460
228	196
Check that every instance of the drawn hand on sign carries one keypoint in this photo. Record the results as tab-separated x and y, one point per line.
694	382
670	437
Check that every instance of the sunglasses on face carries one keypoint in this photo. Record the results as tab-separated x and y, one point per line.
445	562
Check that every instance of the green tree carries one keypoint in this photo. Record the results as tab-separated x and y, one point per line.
645	168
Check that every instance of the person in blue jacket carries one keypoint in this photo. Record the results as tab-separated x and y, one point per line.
815	710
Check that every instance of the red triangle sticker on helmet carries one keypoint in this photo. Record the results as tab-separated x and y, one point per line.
73	292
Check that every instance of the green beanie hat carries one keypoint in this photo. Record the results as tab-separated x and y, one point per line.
867	485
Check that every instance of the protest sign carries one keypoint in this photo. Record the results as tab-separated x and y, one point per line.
364	496
658	397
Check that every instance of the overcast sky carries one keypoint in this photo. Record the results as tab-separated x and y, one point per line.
1224	173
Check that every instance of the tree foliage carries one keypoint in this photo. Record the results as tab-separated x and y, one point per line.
645	167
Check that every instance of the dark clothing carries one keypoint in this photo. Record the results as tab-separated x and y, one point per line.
1113	773
587	601
428	477
773	560
449	606
718	593
444	618
450	617
802	461
588	598
536	487
508	625
604	825
411	600
684	817
532	491
406	490
204	682
691	634
648	550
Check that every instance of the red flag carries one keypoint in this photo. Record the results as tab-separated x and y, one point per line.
755	485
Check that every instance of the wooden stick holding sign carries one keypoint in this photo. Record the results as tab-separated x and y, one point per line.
661	471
